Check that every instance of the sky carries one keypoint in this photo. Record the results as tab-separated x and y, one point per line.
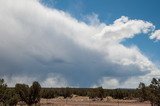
79	43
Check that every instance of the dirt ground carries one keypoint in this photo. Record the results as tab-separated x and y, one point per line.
84	102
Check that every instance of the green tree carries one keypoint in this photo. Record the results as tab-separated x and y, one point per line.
154	96
23	92
143	92
11	98
35	90
30	95
151	92
3	88
100	93
8	97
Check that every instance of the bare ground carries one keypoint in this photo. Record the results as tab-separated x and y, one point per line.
81	102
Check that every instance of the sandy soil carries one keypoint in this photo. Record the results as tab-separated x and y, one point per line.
84	102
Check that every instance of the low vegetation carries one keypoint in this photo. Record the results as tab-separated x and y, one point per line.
32	94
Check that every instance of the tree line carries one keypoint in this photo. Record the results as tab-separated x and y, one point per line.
32	94
98	92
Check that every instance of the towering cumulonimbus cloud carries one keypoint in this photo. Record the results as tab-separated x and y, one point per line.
49	45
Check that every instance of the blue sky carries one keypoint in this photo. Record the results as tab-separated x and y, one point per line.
110	10
79	43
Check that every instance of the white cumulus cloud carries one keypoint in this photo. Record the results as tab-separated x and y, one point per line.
155	35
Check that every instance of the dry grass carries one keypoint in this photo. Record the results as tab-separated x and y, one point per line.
84	101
